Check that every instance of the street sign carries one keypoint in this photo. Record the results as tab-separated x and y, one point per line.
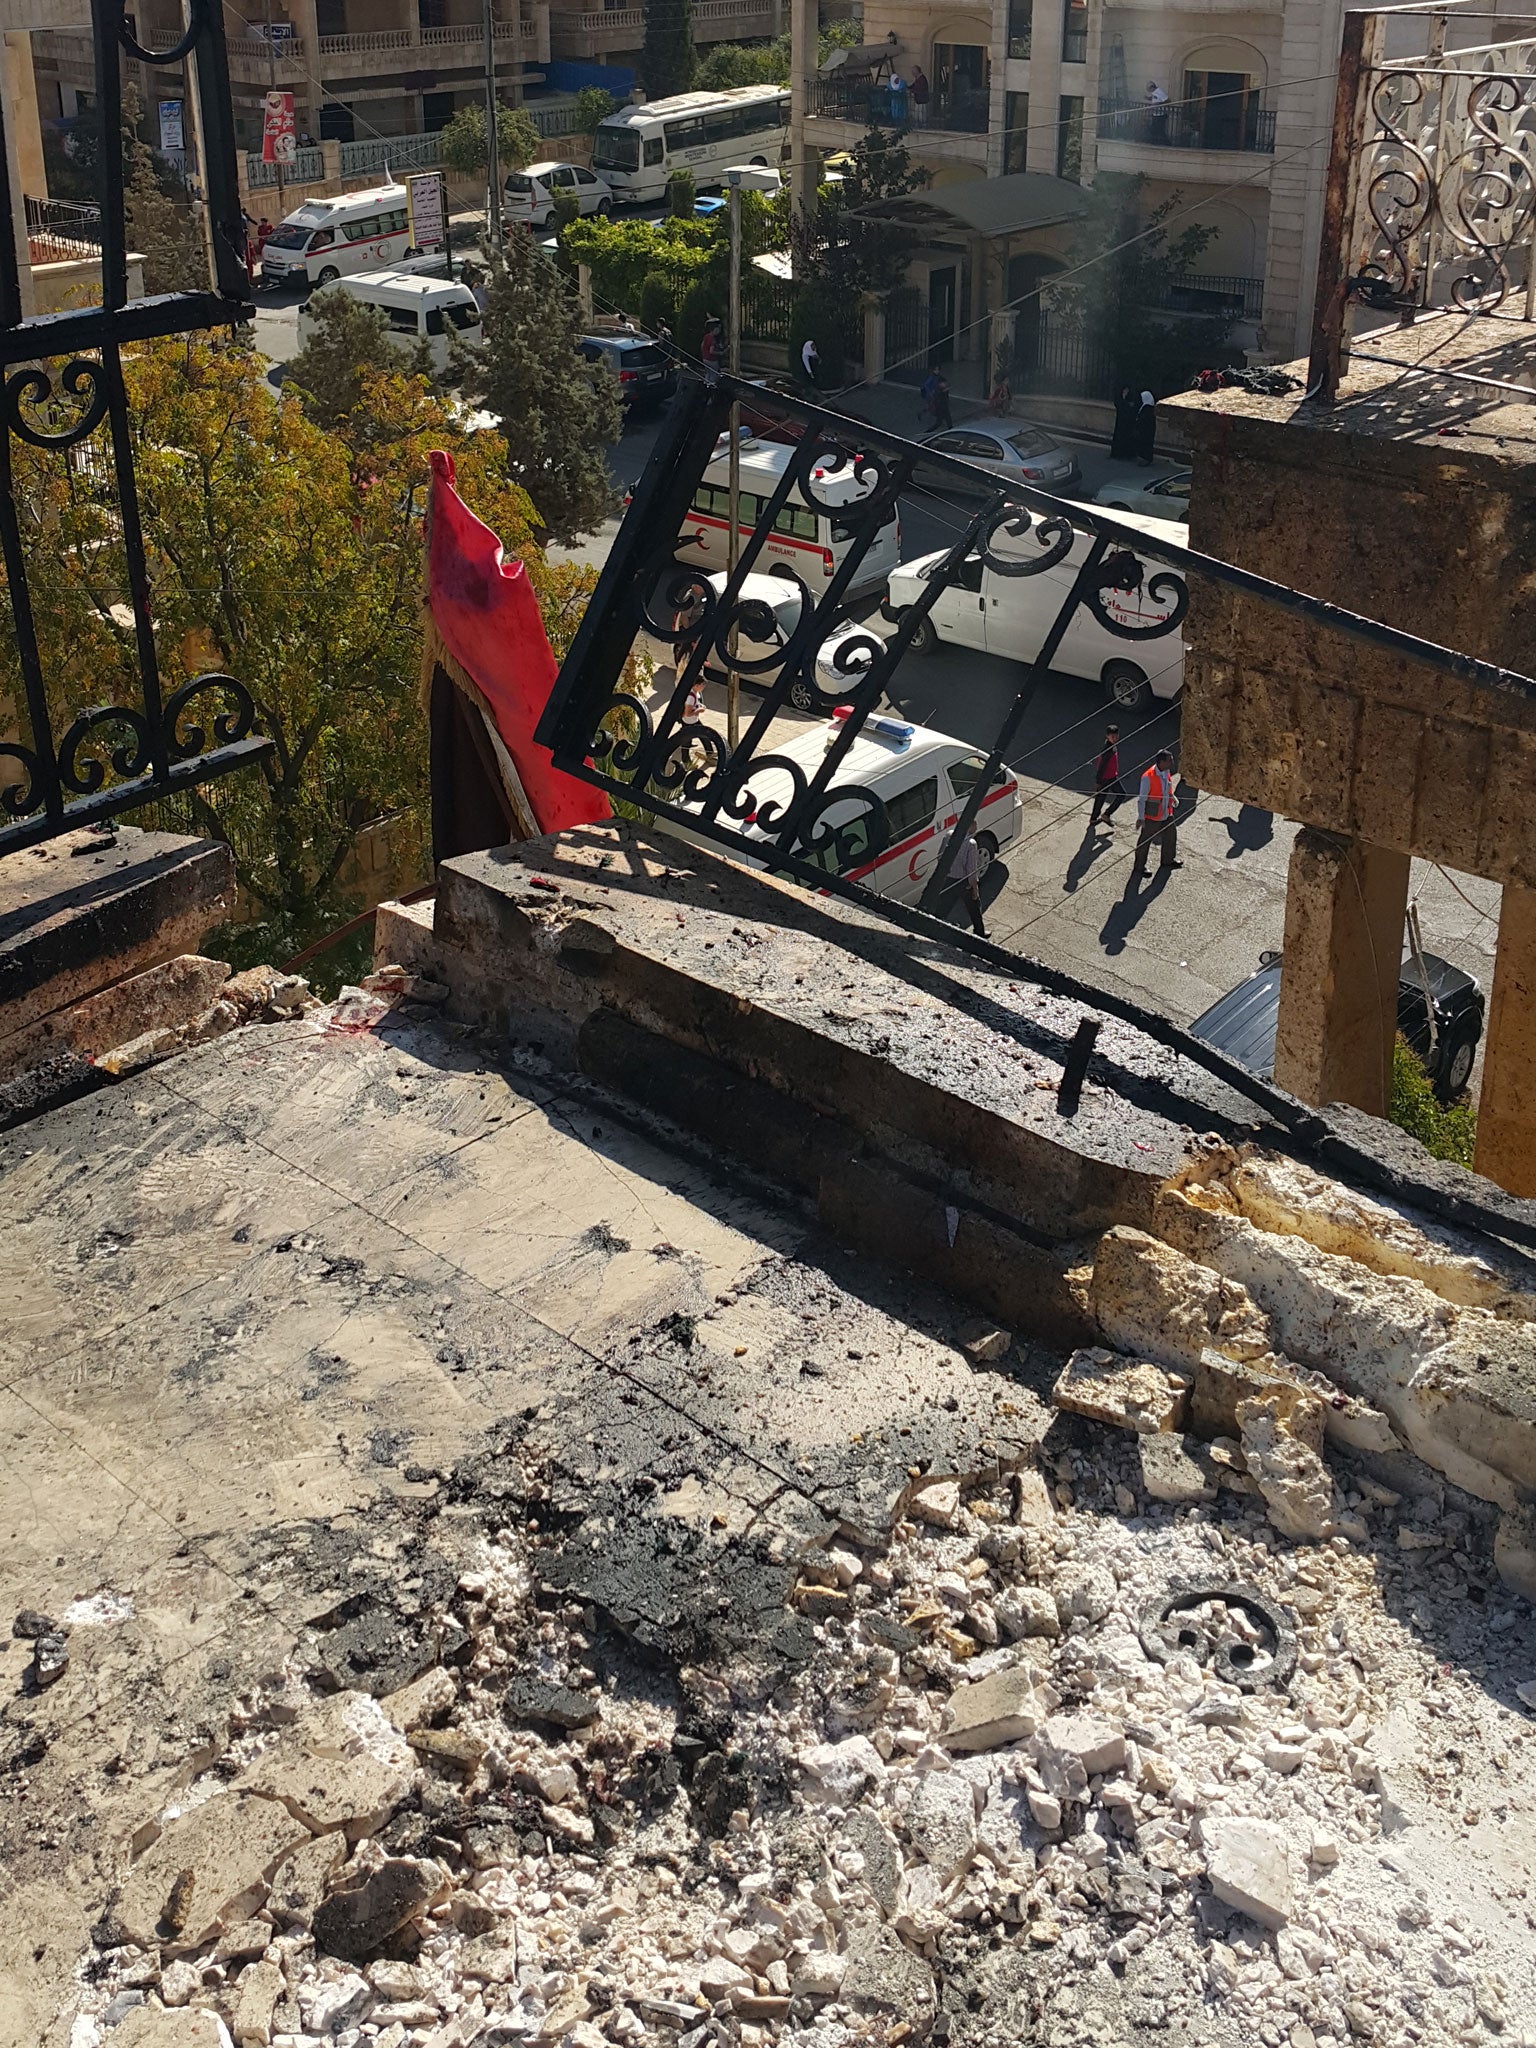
172	128
427	197
279	143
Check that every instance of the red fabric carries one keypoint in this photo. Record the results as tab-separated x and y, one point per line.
488	619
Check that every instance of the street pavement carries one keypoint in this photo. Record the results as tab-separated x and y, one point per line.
1061	893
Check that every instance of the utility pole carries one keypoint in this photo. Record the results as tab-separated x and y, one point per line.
277	162
492	140
804	23
733	364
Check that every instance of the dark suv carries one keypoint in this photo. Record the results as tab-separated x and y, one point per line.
1242	1022
647	374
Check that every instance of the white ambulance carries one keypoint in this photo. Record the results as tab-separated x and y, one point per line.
329	238
807	540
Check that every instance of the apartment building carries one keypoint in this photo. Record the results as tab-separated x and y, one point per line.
1227	105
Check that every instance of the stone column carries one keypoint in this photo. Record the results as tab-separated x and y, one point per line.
1344	907
874	341
1506	1111
804	27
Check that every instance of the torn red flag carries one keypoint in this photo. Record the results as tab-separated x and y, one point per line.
485	621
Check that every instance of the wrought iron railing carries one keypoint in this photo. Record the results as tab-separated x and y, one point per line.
1232	122
881	105
801	813
394	152
306	168
61	766
1431	194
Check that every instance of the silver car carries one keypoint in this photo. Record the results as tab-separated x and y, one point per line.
1009	448
1161	497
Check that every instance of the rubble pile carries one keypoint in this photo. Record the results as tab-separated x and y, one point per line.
1089	1751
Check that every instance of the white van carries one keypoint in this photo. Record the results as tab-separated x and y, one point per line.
417	308
923	779
1011	615
329	238
806	540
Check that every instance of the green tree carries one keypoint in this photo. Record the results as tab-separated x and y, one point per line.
593	104
350	344
1444	1132
465	153
557	414
1128	259
290	557
682	195
842	247
668	60
729	65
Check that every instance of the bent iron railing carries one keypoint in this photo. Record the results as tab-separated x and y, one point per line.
1136	586
63	379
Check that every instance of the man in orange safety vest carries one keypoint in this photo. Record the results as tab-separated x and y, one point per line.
1154	818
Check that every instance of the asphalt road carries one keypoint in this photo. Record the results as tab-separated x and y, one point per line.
1062	893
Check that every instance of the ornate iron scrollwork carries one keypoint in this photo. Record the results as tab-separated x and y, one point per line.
63	382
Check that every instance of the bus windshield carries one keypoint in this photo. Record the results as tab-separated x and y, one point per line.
616	149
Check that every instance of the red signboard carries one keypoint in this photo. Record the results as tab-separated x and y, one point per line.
279	143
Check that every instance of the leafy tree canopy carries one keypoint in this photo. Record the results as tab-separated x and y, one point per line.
350	344
465	152
835	249
558	413
593	104
669	62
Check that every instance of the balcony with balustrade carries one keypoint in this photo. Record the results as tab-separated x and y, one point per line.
597	32
1187	140
453	46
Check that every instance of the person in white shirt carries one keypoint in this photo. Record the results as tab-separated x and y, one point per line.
965	870
810	361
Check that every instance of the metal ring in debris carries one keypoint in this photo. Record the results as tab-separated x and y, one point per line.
1170	1628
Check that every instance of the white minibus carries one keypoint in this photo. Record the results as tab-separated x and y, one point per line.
806	539
329	238
417	309
638	148
1011	615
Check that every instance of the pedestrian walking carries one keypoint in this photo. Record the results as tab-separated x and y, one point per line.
1122	445
1154	818
942	416
1108	789
810	361
919	90
712	347
965	871
1146	428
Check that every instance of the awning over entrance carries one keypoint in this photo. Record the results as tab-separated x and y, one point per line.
993	208
867	57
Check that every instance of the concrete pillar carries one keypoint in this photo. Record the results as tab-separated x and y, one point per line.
804	28
24	150
874	341
1506	1110
1344	907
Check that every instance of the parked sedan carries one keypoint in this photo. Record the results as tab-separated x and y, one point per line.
1009	448
1164	497
1242	1022
529	196
647	374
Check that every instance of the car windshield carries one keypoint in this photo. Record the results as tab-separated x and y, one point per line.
1030	441
289	237
616	149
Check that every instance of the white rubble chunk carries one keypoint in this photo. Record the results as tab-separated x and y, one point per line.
1125	1393
1096	1745
1154	1302
937	1501
843	1769
1297	1486
1027	1611
1004	1707
819	1974
1249	1868
941	1821
342	1766
1176	1469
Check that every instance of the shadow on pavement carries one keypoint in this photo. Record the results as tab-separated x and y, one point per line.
1248	831
1129	909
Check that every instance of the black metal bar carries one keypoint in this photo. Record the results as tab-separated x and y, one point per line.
44	779
133	550
1069	1091
68	334
119	797
1087	579
209	59
106	28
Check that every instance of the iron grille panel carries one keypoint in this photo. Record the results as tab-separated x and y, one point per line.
63	380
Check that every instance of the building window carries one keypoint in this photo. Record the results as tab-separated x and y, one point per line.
1074	32
961	89
1069	140
1016	134
1021	14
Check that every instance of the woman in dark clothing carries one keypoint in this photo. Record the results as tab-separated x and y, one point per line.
1123	443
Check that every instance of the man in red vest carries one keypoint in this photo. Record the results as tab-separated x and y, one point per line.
1154	818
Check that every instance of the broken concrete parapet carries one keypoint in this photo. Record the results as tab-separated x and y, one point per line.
341	1767
1126	1393
206	1870
1152	1302
1249	1868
